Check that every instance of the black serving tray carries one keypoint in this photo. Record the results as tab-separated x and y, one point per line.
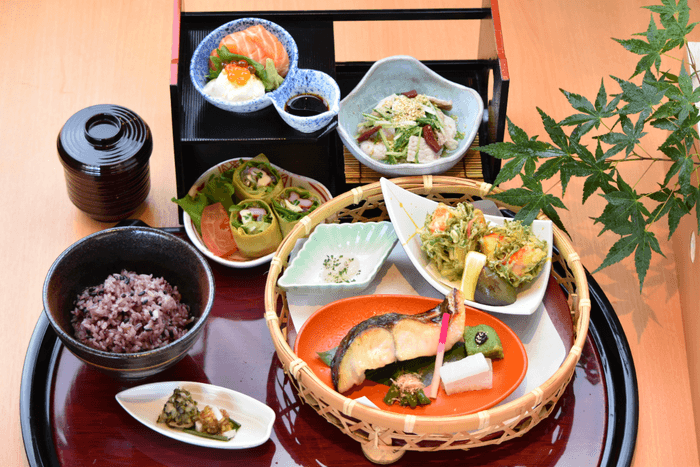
205	135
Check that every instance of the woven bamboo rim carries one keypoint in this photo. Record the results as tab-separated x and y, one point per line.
386	436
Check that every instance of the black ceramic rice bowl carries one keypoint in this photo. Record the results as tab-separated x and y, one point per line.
144	250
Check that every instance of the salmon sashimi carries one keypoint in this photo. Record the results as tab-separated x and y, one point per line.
257	43
385	339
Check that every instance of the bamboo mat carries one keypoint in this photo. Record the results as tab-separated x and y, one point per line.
468	167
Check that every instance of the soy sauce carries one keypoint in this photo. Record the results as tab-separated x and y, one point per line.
305	105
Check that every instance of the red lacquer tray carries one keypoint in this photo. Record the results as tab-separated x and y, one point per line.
70	417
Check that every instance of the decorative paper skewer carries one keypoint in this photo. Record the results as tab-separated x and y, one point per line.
435	385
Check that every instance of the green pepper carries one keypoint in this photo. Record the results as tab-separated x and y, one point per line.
391	395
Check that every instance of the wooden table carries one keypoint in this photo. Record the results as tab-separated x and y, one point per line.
60	57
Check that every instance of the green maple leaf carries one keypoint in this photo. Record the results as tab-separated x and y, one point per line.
628	139
522	154
623	210
597	170
554	131
683	166
532	200
640	98
675	206
650	50
641	242
674	17
591	115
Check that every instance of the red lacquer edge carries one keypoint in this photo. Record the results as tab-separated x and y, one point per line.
498	32
175	50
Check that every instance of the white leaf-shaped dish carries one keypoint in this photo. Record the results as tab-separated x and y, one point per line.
407	212
368	242
145	403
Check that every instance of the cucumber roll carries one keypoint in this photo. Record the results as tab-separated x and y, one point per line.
291	205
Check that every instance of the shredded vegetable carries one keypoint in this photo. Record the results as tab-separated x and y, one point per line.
408	127
513	252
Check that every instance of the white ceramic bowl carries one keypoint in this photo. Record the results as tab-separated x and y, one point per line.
368	242
402	73
237	261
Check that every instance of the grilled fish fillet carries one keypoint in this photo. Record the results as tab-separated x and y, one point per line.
384	339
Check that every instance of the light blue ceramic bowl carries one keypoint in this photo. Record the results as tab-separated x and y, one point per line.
368	242
298	81
199	66
403	73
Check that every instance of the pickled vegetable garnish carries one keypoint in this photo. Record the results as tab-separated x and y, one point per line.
407	391
181	412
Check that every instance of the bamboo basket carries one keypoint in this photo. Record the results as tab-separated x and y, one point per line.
386	436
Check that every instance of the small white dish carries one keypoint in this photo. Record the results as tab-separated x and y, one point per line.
146	402
403	73
369	243
408	211
239	262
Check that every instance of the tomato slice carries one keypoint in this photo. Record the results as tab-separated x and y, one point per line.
216	232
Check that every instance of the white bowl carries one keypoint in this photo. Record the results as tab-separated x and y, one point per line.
368	242
237	261
407	212
402	73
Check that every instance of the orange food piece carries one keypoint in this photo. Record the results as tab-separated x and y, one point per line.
490	242
257	43
440	216
237	74
216	231
522	259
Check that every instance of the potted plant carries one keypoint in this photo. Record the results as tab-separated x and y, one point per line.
652	99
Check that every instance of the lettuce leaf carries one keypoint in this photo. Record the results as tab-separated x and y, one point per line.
219	189
193	207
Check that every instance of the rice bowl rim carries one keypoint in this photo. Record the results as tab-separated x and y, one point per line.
66	337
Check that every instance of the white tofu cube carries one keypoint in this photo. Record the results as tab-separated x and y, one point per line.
469	374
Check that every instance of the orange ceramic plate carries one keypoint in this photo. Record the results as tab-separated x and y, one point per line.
326	328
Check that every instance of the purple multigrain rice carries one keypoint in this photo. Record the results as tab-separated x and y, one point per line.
130	313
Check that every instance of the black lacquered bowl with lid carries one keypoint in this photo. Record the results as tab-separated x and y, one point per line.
105	151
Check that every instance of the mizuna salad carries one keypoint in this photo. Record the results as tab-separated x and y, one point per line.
408	128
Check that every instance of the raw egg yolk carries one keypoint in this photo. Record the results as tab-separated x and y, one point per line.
237	74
